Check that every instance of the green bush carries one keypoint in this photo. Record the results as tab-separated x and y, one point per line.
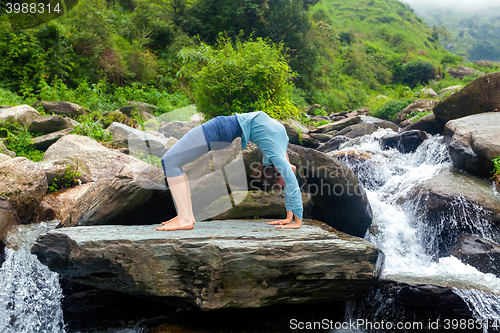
240	77
91	128
65	179
18	140
417	71
496	166
390	108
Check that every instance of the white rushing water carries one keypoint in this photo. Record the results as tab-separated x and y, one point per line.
400	230
30	294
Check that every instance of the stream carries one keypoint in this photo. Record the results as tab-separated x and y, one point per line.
30	294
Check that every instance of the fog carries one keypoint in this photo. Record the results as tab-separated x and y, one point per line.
455	4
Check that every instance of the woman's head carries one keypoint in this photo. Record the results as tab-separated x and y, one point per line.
268	176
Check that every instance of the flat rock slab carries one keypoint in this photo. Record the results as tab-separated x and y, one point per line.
218	264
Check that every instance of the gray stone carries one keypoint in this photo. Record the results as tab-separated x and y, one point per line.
251	204
320	137
292	132
23	182
427	124
140	107
57	168
479	96
138	141
50	124
429	92
460	72
103	162
23	114
4	150
421	105
308	142
65	108
473	142
478	252
120	201
333	144
338	125
450	89
63	199
297	125
405	142
357	130
8	218
4	157
45	141
218	264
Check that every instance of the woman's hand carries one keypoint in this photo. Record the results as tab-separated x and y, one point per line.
287	223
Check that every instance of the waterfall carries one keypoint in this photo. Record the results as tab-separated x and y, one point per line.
412	245
30	295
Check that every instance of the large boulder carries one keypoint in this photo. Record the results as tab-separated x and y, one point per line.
57	169
8	218
357	130
218	264
23	114
49	124
450	90
427	124
62	200
4	157
102	162
338	196
453	203
459	72
5	151
418	106
255	204
338	125
478	252
138	141
24	183
473	142
120	201
479	96
65	108
333	144
45	141
406	142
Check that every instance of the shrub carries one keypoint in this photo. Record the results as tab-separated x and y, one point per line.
18	140
91	128
240	77
496	166
390	108
66	179
416	72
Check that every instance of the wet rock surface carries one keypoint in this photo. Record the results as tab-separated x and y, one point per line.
218	264
478	252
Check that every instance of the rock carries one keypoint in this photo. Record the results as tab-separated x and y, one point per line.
380	123
23	114
479	96
320	137
5	151
4	157
428	92
24	183
352	114
339	198
56	169
140	107
218	264
421	105
103	162
197	117
297	125
50	124
45	213
261	204
338	125
427	124
293	134
138	141
65	108
473	142
170	143
449	201
338	118
62	200
460	71
485	63
357	130
310	110
8	219
308	142
478	252
120	201
45	141
450	89
496	179
333	144
405	142
319	118
177	129
352	156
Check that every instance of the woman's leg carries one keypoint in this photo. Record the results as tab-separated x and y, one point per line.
190	147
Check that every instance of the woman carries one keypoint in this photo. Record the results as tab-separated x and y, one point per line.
218	133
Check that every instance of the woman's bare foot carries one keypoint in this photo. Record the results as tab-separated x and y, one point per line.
173	219
177	225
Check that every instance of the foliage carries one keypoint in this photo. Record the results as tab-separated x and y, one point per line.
416	72
67	179
151	159
419	116
91	128
496	166
390	108
18	140
240	77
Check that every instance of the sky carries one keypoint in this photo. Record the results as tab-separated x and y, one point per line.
462	4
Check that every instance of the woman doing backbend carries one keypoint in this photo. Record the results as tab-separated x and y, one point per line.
218	133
